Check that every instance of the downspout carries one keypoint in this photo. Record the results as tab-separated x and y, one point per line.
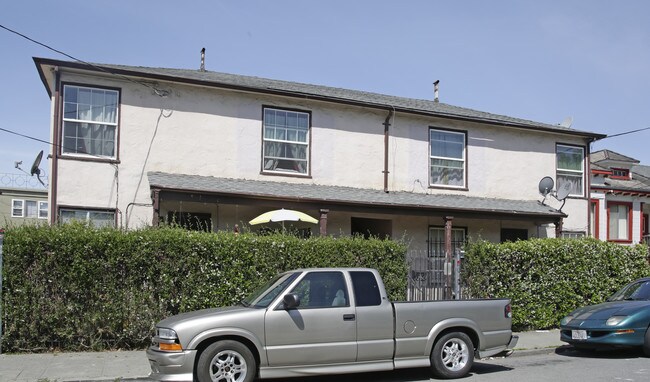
386	138
56	139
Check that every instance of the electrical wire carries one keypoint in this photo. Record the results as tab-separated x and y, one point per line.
158	92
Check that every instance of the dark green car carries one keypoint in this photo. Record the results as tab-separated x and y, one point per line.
621	322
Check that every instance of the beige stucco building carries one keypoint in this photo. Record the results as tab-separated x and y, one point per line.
141	145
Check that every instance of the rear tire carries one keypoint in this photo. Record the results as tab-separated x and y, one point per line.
226	361
646	343
452	356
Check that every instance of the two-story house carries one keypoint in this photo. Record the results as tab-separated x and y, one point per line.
620	198
135	146
22	200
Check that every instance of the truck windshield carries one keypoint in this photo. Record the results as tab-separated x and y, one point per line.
264	295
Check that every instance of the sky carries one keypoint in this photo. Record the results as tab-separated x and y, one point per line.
537	60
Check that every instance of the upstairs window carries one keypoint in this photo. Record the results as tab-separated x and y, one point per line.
570	169
447	158
620	173
89	121
286	142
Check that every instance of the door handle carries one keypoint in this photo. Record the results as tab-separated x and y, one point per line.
349	317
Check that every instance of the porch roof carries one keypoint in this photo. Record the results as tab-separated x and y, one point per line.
346	198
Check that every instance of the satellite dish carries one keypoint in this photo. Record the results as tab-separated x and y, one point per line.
546	185
567	122
35	170
563	191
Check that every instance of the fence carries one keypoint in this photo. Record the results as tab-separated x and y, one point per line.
428	277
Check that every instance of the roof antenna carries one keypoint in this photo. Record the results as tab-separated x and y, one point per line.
435	91
203	60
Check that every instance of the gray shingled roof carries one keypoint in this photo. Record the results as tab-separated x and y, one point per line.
602	155
324	93
347	195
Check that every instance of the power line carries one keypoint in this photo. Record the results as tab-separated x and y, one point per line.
158	92
627	132
25	136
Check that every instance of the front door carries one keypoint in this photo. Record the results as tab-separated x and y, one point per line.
322	330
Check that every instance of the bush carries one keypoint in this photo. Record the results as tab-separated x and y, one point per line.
72	287
548	278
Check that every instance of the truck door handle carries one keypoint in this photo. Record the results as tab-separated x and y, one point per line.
348	317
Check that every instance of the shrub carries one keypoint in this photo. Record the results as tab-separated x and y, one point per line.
548	278
72	287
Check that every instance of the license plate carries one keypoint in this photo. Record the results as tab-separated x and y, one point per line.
578	334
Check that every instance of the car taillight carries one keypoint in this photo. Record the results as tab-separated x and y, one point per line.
507	311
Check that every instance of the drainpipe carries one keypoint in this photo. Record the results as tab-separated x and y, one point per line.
56	142
386	136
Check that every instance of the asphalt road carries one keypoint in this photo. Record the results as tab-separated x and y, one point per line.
563	364
555	365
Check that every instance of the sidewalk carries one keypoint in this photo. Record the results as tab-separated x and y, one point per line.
118	365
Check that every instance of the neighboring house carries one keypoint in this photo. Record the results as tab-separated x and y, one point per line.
620	198
137	146
21	201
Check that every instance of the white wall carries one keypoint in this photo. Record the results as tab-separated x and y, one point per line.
218	133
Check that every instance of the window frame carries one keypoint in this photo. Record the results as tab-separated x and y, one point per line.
454	243
21	208
45	209
624	176
568	172
308	144
88	212
573	235
430	157
62	120
629	206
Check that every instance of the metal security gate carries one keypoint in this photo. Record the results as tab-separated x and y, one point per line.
428	269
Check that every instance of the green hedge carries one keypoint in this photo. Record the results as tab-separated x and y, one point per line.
72	287
548	278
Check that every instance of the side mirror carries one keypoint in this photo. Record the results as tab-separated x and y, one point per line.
291	301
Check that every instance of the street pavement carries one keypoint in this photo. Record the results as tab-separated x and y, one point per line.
133	365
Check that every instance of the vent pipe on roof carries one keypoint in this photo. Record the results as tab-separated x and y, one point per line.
435	91
203	60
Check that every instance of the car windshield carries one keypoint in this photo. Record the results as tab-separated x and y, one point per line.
265	294
639	290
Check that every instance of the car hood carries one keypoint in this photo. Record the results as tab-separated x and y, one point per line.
607	309
180	320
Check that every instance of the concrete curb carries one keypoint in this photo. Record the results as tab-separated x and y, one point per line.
538	351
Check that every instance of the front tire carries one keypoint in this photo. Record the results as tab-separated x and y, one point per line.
226	361
452	356
646	343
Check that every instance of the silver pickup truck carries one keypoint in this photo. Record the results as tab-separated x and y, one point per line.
328	321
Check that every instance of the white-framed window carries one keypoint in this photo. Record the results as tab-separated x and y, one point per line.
89	121
619	221
31	209
17	208
570	162
97	218
447	158
573	234
42	210
286	141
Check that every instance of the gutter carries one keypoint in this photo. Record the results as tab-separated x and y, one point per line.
54	181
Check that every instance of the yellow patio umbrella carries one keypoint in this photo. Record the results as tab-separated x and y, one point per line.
283	215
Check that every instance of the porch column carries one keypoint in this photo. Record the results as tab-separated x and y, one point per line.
448	256
155	201
323	221
558	227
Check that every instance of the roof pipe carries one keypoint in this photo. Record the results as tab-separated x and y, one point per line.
386	139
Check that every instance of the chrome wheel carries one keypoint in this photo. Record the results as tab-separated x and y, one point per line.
455	354
452	356
226	361
228	366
